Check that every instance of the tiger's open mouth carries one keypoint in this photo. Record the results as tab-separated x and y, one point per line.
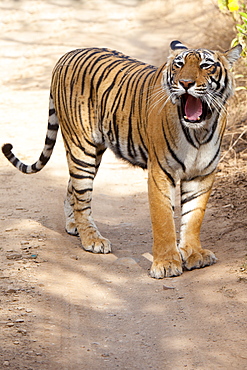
193	110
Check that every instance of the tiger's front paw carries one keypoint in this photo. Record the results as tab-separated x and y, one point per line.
198	259
166	268
99	245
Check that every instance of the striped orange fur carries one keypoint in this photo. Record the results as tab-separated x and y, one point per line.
169	120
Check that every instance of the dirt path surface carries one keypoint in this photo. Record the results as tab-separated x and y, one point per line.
62	308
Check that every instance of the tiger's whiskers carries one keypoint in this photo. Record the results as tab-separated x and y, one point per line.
156	97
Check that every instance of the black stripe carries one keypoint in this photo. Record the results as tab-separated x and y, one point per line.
84	170
131	77
214	68
216	82
84	209
99	81
221	70
165	171
99	60
157	73
34	168
186	131
194	196
141	91
43	159
173	154
79	162
143	155
15	161
163	194
212	130
82	191
214	158
117	148
117	95
107	92
198	178
69	58
52	111
91	55
23	168
192	210
53	126
10	156
221	91
101	152
131	144
76	176
92	155
49	141
84	202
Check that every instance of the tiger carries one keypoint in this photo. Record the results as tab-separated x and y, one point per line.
169	120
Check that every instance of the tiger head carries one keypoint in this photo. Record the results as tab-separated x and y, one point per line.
199	82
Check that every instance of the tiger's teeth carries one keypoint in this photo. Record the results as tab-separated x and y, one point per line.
198	118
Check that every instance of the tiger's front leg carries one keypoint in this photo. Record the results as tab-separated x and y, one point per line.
77	206
166	257
194	198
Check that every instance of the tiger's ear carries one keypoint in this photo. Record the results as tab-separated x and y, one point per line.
176	45
233	54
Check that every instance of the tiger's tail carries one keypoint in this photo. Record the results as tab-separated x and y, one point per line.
50	141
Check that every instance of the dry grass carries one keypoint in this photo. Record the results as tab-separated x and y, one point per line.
234	148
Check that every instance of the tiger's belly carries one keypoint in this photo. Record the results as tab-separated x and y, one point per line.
129	146
136	156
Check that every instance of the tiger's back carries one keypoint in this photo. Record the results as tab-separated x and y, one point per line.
103	95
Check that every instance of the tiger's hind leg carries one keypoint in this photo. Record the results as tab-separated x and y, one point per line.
77	205
69	201
69	211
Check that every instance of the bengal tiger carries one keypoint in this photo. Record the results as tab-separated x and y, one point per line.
169	120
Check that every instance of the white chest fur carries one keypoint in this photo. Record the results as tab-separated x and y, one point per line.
197	159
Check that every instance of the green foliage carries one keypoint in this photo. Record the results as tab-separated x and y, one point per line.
239	13
241	37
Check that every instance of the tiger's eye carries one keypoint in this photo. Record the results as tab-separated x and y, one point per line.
206	65
178	64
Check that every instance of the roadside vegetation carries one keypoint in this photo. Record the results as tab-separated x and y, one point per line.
235	145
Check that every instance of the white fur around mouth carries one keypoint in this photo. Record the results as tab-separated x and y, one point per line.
195	125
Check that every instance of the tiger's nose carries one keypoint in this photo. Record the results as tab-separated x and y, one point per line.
186	84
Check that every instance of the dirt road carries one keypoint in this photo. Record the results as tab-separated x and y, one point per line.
63	308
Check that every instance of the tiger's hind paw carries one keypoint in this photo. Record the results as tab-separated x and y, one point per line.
71	228
200	259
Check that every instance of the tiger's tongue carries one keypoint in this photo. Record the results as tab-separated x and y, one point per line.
193	108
